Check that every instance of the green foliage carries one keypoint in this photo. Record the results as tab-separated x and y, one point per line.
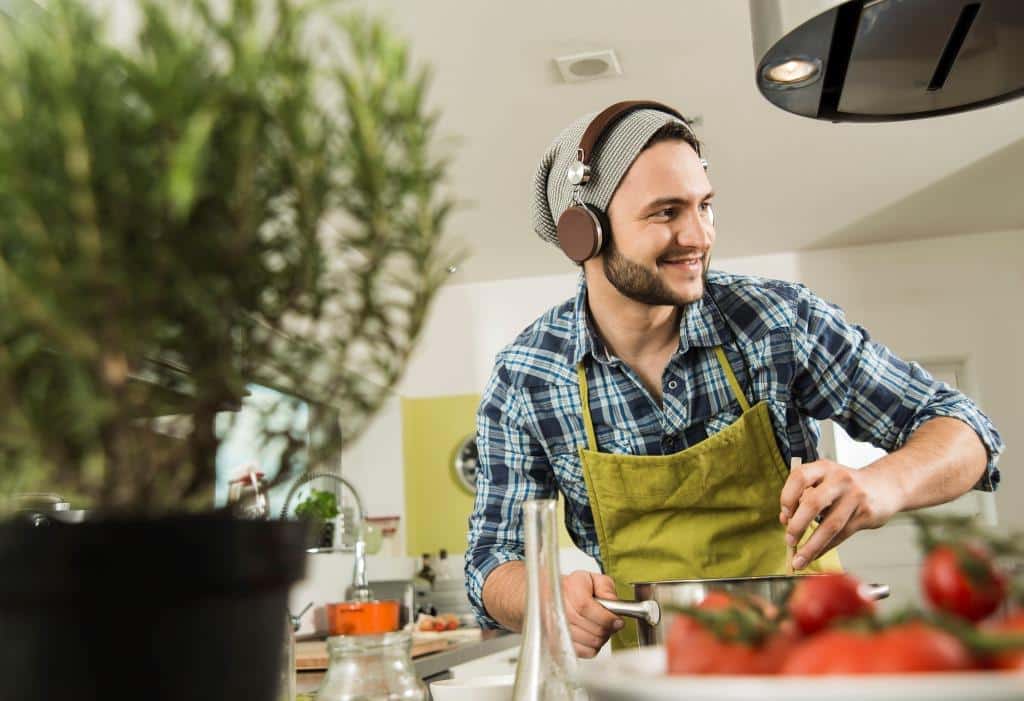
320	504
226	197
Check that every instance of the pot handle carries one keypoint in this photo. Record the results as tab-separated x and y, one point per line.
874	592
648	611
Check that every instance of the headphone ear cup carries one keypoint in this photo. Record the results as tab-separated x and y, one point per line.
582	230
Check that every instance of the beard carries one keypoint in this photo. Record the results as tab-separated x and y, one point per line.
640	284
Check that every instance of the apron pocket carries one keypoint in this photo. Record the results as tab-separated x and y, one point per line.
653	477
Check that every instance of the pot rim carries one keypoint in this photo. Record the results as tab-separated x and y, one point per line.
727	580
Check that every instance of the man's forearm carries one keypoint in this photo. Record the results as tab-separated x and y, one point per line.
504	594
941	460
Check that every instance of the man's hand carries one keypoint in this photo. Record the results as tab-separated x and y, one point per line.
590	623
847	500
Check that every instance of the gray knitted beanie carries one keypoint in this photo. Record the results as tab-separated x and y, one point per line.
614	153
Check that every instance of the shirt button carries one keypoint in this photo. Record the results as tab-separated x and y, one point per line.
672	384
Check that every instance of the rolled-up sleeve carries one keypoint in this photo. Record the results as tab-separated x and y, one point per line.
873	394
513	467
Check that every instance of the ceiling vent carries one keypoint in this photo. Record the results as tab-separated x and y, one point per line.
588	66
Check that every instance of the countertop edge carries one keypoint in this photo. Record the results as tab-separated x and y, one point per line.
437	662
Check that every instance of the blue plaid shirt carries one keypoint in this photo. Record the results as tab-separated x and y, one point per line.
786	346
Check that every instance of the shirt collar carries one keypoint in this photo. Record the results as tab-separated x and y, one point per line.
700	326
586	340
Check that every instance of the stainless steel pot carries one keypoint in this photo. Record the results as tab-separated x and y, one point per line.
651	597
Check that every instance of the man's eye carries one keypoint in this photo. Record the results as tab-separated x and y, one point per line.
705	206
667	213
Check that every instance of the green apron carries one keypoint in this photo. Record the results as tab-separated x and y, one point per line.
709	511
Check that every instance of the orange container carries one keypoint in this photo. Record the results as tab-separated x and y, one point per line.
362	617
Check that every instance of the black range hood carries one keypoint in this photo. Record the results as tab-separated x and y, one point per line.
887	60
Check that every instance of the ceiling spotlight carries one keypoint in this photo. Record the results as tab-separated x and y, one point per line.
794	72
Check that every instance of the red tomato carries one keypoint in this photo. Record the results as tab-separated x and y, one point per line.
963	580
777	649
817	601
910	647
831	652
693	649
918	647
1008	659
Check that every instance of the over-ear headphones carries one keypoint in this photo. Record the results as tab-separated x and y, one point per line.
583	227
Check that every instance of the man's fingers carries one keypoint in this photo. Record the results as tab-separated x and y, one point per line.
577	619
604	586
586	638
813	502
583	652
827	532
598	614
600	620
801	478
583	611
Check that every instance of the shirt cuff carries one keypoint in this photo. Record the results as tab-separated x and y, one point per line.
978	423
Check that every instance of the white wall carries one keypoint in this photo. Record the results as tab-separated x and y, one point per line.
470	323
938	299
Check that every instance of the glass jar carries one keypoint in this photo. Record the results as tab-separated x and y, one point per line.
371	668
247	495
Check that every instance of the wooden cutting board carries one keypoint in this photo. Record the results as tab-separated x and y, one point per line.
312	654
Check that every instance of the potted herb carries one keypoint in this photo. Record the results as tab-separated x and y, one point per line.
320	507
231	193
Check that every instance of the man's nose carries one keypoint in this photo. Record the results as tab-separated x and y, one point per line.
696	229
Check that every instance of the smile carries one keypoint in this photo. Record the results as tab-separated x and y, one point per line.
689	262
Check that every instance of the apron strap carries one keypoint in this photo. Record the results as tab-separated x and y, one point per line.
581	373
733	382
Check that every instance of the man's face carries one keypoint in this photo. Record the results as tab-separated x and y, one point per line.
662	229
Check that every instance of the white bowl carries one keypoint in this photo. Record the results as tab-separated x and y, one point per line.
639	675
485	688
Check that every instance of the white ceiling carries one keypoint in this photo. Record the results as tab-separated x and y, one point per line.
783	182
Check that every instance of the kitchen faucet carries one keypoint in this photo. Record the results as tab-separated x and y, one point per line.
359	590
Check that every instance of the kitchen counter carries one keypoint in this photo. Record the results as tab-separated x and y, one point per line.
436	665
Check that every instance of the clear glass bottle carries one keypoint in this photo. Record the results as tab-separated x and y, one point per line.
547	668
371	668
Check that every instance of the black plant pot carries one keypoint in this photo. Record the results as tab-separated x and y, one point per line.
174	609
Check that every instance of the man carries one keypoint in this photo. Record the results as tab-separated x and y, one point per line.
666	401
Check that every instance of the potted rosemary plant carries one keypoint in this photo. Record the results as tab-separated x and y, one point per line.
227	193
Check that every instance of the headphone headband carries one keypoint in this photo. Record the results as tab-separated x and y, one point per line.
579	172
